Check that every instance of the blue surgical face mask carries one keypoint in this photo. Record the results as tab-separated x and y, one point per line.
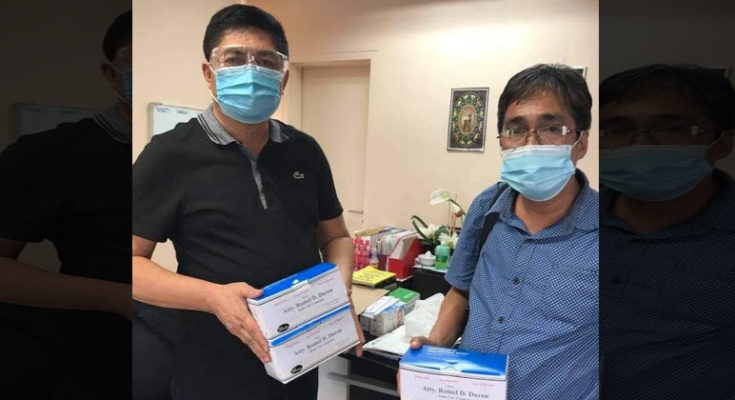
248	93
538	172
654	172
127	86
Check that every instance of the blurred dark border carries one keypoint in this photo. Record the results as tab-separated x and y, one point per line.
49	183
667	274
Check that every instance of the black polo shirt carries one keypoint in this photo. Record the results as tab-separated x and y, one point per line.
232	217
72	186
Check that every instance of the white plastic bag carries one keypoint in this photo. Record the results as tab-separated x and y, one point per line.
423	317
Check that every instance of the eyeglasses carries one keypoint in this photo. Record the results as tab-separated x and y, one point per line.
515	136
237	56
619	136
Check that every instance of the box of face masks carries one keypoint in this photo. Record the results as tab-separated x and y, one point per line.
383	316
311	344
388	313
290	302
434	373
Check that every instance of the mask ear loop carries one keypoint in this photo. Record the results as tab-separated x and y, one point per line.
581	133
721	135
122	98
209	90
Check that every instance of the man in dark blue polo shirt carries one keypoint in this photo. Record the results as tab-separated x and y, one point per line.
667	268
531	287
246	200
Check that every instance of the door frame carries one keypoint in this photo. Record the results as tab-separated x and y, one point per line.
290	109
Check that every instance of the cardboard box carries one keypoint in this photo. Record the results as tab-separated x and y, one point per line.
433	373
402	257
383	316
406	296
303	349
290	302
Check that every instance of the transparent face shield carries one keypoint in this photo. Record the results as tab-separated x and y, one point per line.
239	56
123	64
123	60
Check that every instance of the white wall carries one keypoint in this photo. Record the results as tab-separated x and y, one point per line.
167	57
418	51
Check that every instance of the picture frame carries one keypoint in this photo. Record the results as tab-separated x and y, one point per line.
467	119
724	70
582	70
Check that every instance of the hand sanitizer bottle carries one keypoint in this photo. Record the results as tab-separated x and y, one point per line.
442	255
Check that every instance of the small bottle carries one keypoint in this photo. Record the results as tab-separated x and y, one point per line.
374	257
442	255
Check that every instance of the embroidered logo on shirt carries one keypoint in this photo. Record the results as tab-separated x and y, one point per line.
298	175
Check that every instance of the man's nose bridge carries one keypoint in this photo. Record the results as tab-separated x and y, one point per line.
533	137
642	136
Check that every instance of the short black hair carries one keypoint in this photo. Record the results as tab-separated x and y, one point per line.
118	35
703	87
564	81
240	17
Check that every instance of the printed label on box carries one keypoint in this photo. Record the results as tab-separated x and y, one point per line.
288	303
427	386
311	344
434	373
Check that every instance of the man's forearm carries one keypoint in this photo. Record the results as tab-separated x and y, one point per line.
23	284
156	285
341	251
448	325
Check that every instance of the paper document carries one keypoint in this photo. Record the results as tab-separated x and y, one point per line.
393	344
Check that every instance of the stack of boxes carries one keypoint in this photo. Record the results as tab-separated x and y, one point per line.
388	312
306	319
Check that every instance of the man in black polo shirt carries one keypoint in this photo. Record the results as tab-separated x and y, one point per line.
246	200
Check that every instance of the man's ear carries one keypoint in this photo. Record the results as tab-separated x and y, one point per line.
722	147
109	73
285	81
207	72
580	150
209	77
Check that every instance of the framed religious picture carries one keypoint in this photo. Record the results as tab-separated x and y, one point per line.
467	119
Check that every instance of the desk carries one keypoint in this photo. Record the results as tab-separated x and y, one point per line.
370	377
373	377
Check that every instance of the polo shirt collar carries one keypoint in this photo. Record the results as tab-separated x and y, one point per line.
217	133
583	214
115	125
